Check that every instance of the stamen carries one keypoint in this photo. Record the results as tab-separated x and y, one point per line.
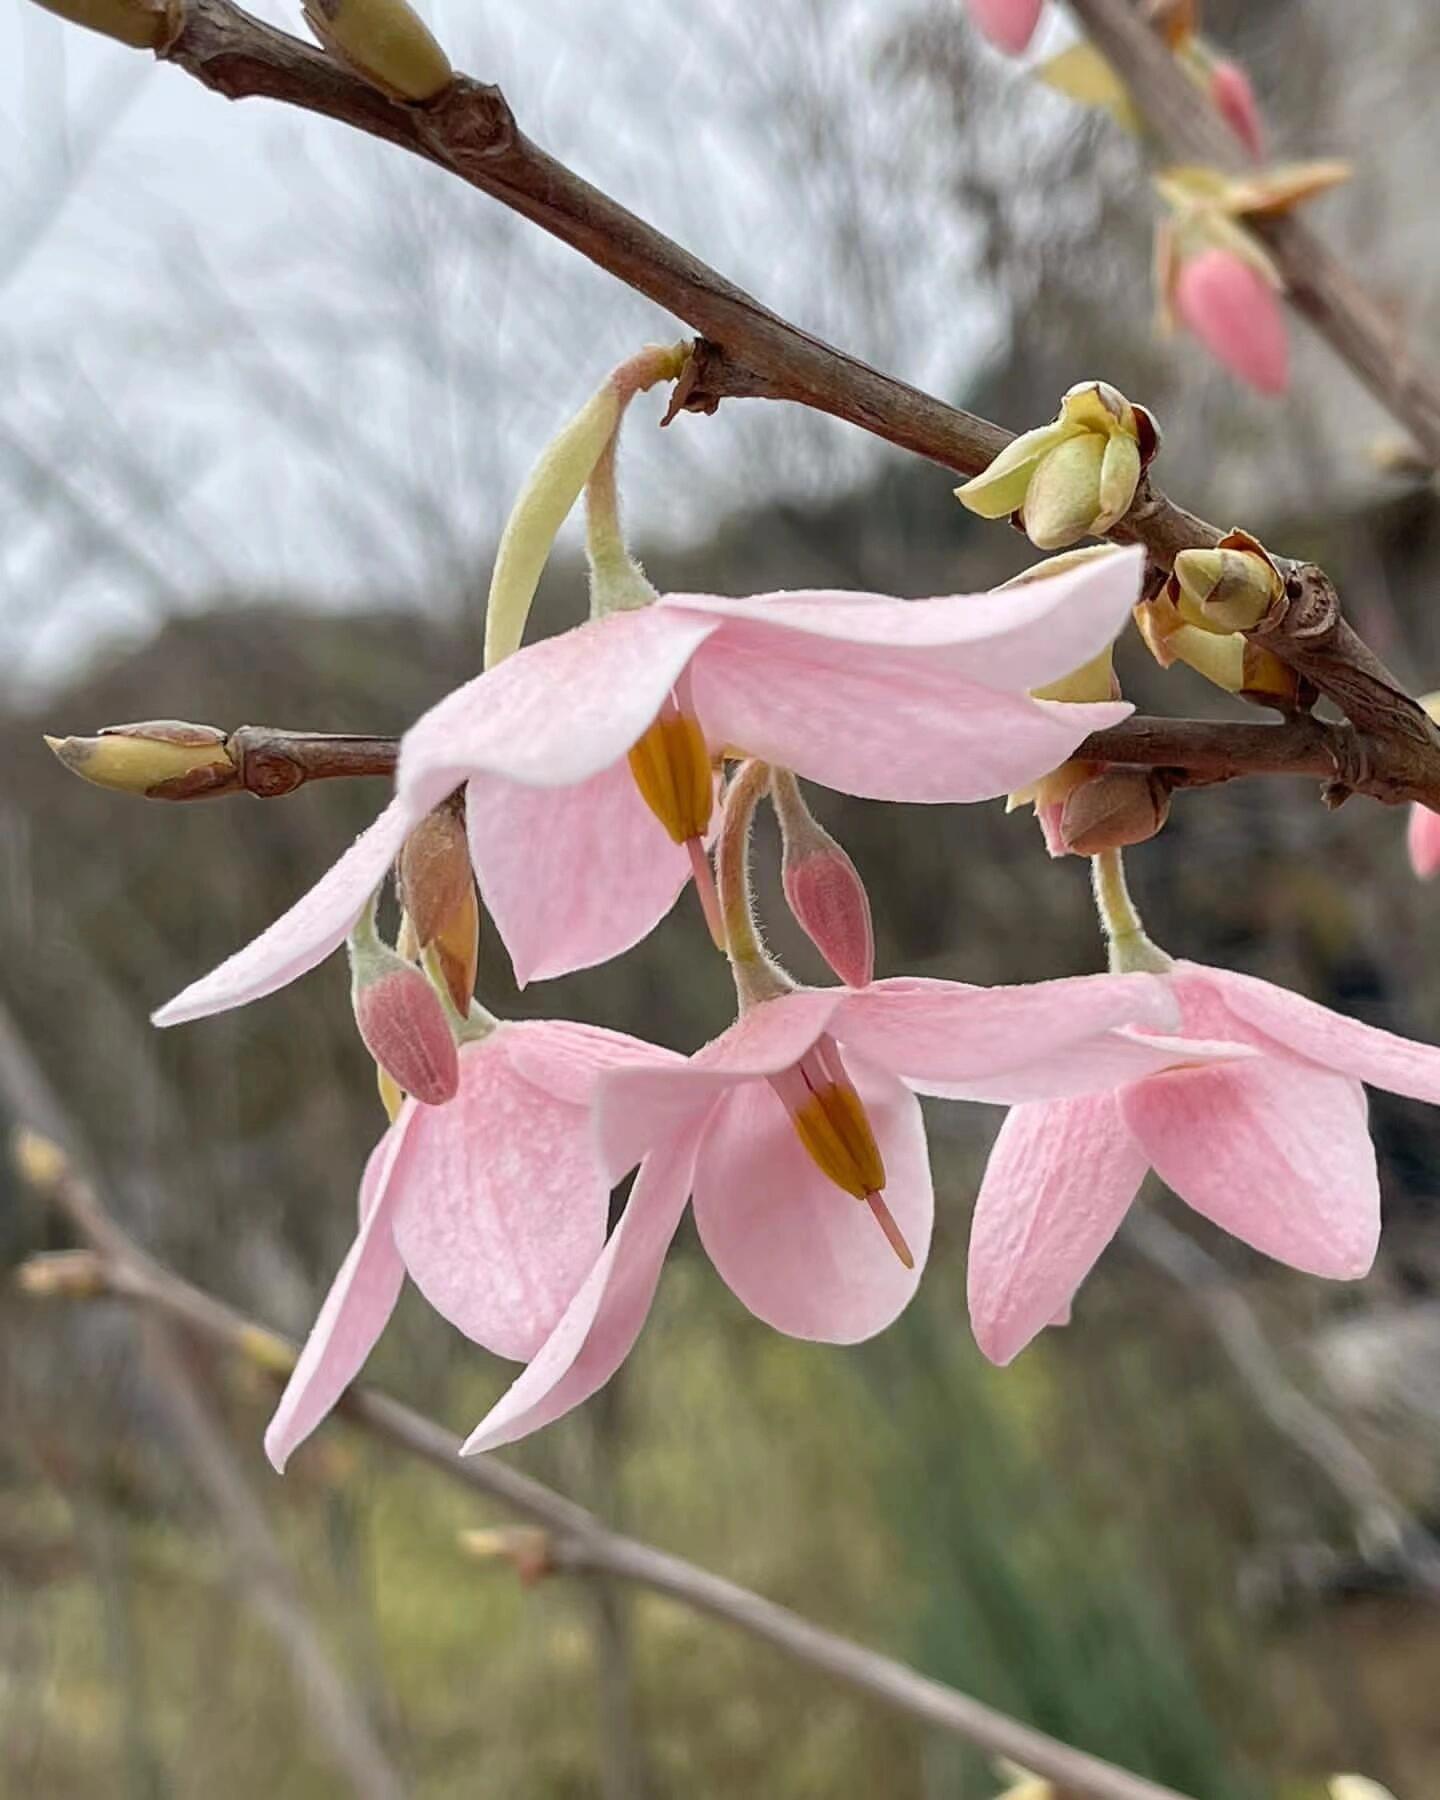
885	1219
671	767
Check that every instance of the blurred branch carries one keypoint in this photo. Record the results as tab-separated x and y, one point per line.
268	762
746	350
1383	1522
1317	283
264	1577
575	1541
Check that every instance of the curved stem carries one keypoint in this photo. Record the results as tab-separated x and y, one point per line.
1131	951
757	977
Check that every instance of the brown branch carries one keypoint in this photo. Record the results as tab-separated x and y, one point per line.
746	350
577	1541
1317	283
1392	769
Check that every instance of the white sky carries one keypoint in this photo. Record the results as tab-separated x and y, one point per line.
245	349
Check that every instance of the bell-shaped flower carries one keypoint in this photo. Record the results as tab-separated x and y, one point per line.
493	1204
798	1134
1273	1148
1009	24
1073	478
569	747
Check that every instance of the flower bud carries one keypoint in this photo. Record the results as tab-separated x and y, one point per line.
1074	477
1233	97
437	889
401	1018
162	759
39	1161
1119	807
1236	314
1009	24
823	887
1357	1787
1422	840
142	24
1230	588
385	42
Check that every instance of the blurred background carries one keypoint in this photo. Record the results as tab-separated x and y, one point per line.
266	392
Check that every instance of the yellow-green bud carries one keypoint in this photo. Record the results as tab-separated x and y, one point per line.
1230	588
1073	478
162	759
142	24
385	42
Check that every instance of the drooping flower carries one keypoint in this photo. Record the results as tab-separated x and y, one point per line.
883	698
493	1204
1273	1148
1009	24
1237	315
798	1134
795	1126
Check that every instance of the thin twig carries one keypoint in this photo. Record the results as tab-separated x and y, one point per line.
746	350
578	1541
265	1579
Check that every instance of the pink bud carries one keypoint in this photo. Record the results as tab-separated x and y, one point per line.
1423	841
405	1029
1237	316
1009	24
829	900
1233	98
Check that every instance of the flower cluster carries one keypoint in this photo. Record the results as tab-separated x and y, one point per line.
585	781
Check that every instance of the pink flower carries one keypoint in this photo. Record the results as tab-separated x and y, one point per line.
797	1133
1273	1149
1009	24
1423	841
1233	97
887	699
493	1204
1237	315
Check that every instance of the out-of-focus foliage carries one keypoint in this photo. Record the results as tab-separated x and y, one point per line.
1115	1538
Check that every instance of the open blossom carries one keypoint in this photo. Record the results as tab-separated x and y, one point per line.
493	1204
800	1139
1273	1148
569	747
1237	315
1009	24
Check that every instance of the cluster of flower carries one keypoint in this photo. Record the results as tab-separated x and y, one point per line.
597	774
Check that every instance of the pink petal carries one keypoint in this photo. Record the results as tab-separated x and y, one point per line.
1363	1052
1423	841
1237	316
604	1319
640	1107
500	1212
1113	1059
944	1032
885	724
356	1309
1275	1152
315	926
567	1059
801	1253
1011	639
1060	1179
1234	99
1009	24
573	875
556	712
